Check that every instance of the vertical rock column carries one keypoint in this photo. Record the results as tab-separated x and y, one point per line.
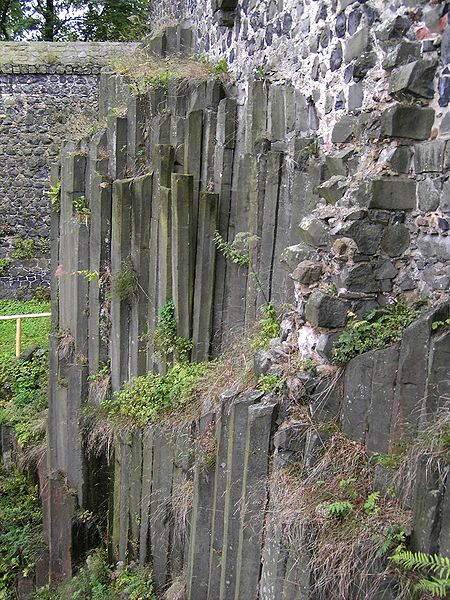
120	259
99	249
183	258
141	210
68	365
204	276
163	159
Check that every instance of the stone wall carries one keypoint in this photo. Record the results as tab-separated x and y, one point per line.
48	93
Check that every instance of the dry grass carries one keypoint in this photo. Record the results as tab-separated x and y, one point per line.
100	388
177	589
346	561
100	431
66	344
144	72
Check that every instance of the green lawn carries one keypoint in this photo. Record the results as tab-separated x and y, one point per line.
34	331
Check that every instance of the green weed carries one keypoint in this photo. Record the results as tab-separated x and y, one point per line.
378	329
4	266
268	328
271	383
23	248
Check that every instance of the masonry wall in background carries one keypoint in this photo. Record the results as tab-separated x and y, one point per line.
48	93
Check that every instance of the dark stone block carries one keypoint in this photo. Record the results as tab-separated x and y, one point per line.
402	54
416	78
392	193
307	272
341	25
336	57
343	131
359	278
395	240
429	156
325	311
407	121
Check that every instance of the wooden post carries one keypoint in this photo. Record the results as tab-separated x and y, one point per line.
18	335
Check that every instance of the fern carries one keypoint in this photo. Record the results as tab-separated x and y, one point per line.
434	586
437	584
339	509
370	506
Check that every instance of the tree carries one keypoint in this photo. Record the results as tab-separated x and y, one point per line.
62	20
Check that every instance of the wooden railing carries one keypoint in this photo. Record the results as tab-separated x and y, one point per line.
18	319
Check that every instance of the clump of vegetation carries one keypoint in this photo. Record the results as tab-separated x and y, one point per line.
80	207
238	251
41	294
20	529
98	580
100	383
55	196
4	266
43	245
125	282
268	328
309	365
147	398
333	512
168	345
379	328
270	383
23	248
441	324
220	67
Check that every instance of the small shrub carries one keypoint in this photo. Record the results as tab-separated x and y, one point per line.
269	327
41	294
43	245
308	365
125	282
338	509
23	396
4	266
238	256
378	329
271	383
167	343
23	248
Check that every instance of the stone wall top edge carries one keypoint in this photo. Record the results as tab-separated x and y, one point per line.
36	55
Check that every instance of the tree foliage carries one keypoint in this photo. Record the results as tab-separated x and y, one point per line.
66	20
